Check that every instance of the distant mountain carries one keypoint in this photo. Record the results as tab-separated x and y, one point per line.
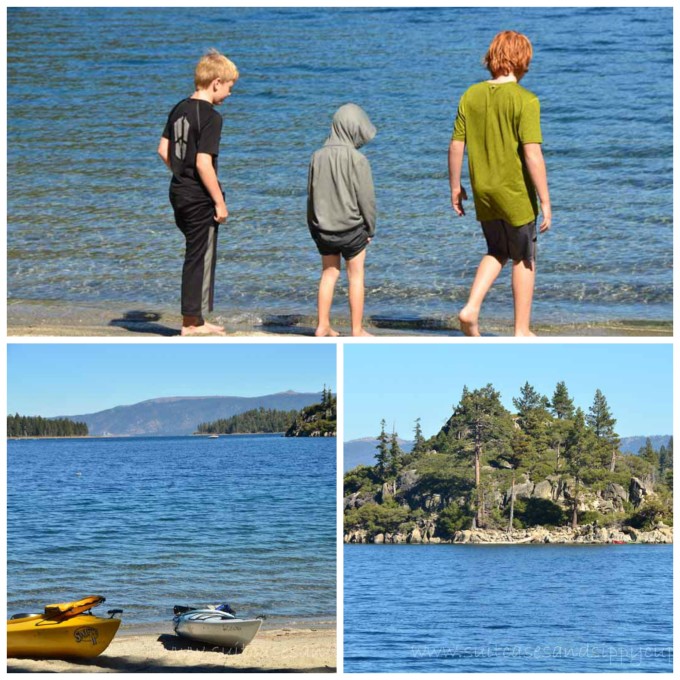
634	444
362	451
181	415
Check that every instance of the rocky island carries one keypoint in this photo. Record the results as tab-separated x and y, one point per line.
317	420
546	473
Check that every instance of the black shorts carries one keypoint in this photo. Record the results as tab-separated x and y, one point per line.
346	243
504	241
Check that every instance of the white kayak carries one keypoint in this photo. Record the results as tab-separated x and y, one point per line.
216	628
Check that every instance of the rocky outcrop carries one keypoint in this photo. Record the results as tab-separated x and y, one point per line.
639	490
356	500
587	534
544	490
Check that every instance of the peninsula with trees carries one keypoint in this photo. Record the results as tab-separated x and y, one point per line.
36	426
547	472
255	421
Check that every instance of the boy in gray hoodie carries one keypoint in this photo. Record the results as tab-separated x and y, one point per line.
341	212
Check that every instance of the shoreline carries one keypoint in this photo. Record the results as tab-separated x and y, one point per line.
588	534
30	318
307	649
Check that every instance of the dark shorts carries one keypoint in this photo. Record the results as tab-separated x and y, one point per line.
507	242
346	243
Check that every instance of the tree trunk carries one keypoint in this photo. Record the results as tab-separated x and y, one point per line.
612	466
478	485
512	503
557	463
574	516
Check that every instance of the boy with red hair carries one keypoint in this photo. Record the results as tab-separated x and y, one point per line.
499	122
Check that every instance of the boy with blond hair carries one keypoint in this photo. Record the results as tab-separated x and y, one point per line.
190	146
499	122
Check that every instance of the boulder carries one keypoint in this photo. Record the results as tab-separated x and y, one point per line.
523	490
415	536
615	493
356	500
379	538
543	490
462	536
639	490
388	489
407	480
432	502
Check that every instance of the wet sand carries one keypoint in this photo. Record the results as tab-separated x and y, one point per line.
308	650
47	318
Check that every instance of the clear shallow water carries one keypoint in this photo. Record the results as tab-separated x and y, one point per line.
508	608
88	216
154	522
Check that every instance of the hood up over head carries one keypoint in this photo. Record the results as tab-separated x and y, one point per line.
351	125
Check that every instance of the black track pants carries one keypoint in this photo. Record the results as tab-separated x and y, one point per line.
198	225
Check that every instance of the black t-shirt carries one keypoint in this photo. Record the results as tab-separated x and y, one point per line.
193	127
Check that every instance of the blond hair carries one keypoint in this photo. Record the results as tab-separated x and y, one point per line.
214	65
509	52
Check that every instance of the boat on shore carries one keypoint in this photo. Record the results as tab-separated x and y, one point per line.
63	631
215	626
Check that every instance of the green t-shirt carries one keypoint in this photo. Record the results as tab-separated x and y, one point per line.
493	120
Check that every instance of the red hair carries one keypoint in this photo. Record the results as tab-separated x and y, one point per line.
509	52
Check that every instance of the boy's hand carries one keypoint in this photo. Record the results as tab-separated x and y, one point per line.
221	212
457	197
547	218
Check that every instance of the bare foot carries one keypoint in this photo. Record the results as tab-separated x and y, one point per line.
469	321
524	334
326	332
362	333
205	329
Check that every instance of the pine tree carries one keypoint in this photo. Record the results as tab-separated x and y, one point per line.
562	404
601	421
418	439
648	453
521	452
394	454
383	455
534	418
580	458
479	423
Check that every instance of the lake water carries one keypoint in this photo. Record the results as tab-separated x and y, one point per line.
89	90
508	608
154	522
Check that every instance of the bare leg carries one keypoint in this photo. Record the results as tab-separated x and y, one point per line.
330	272
487	272
355	274
523	278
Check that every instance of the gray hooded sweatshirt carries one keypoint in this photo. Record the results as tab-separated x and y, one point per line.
340	194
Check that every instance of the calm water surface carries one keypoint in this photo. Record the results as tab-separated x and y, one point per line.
153	522
88	215
508	608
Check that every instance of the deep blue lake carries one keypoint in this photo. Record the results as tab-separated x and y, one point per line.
89	89
501	609
157	521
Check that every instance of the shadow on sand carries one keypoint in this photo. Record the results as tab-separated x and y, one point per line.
171	643
139	321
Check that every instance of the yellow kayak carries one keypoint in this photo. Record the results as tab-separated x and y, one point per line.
65	630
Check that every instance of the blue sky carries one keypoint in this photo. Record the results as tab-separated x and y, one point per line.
402	382
57	379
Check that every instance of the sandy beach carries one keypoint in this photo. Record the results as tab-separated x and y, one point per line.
307	650
29	318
